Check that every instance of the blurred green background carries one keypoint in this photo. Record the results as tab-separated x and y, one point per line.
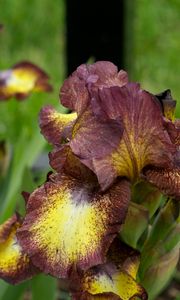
156	45
35	30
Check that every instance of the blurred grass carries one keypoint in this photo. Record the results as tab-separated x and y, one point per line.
33	30
157	44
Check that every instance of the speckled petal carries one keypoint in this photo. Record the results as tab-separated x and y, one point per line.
21	80
114	280
173	129
6	228
52	123
105	279
166	180
70	226
15	265
145	140
87	296
74	93
177	126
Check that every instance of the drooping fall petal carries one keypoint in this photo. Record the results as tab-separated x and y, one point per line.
173	129
74	93
144	140
15	265
114	280
6	228
70	226
103	279
166	180
52	123
22	79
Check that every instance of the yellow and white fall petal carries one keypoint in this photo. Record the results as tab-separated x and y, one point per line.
69	225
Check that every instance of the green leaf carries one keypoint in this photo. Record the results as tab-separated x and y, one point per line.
148	196
164	236
25	153
164	222
44	287
160	273
173	238
14	292
28	185
64	295
135	224
3	288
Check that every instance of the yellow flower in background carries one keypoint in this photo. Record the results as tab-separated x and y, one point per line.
22	79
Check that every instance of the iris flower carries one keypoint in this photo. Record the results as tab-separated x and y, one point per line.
116	136
15	265
21	80
120	130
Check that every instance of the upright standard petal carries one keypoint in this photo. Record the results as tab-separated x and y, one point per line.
63	160
52	123
94	136
15	265
21	80
69	226
74	93
144	141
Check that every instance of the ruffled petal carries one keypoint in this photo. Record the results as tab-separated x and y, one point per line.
166	180
62	159
21	80
74	93
114	280
70	226
173	129
15	265
6	228
94	137
52	123
144	141
106	279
